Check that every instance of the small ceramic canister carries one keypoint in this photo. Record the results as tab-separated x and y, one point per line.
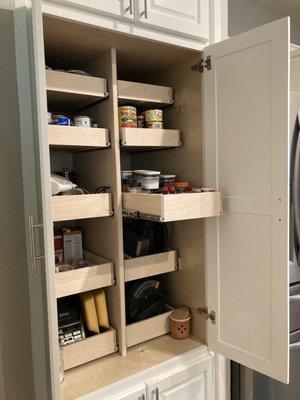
180	323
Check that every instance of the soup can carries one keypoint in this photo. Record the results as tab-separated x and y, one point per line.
154	125
127	117
154	115
82	121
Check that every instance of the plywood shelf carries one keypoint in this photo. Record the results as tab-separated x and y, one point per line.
81	280
149	328
146	138
70	92
142	93
174	207
154	264
77	138
72	207
89	349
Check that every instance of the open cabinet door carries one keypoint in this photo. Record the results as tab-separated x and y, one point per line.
246	106
25	103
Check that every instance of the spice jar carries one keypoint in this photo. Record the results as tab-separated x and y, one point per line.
180	321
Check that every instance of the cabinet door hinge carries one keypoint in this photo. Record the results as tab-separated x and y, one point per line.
204	312
204	63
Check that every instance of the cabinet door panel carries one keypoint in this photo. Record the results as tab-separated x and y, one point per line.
190	17
246	96
139	394
26	97
121	8
194	388
192	382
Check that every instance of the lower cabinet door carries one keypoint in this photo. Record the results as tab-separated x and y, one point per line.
135	394
194	382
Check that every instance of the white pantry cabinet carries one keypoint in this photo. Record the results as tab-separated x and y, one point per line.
190	17
189	24
236	280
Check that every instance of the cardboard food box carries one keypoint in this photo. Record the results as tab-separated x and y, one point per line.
58	249
72	241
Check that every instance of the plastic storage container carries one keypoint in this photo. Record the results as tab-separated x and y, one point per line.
148	179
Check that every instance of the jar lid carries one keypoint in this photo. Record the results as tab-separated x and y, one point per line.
180	314
168	176
146	172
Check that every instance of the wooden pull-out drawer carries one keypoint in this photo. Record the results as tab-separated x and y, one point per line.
87	278
65	208
89	349
154	264
173	207
149	328
68	92
77	138
144	93
139	138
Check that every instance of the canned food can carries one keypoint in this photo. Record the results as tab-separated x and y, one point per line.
83	121
58	119
127	117
154	125
155	115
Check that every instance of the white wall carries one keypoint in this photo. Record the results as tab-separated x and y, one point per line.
243	16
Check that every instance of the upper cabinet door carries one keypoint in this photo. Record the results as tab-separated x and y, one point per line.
120	8
189	17
246	107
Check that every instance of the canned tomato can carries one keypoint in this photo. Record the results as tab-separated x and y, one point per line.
83	121
154	115
154	125
127	117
